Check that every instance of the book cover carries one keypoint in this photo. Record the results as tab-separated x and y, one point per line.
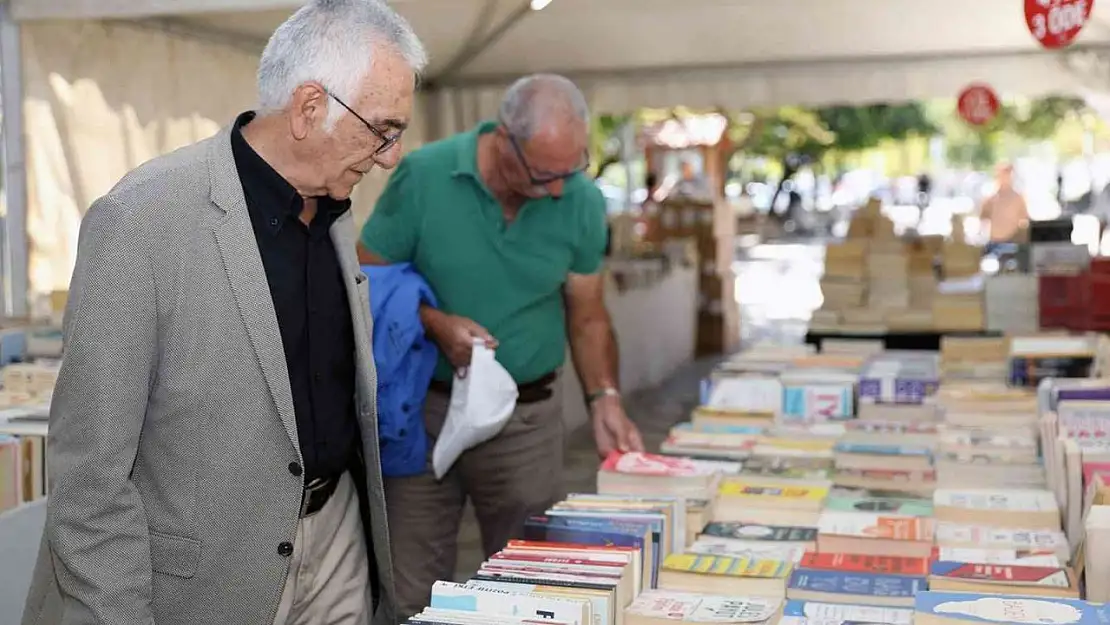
753	492
726	566
897	389
672	605
1052	576
997	556
602	527
463	598
857	584
891	475
847	613
881	505
754	549
1000	500
877	449
762	469
851	563
1025	540
890	427
818	402
1007	609
712	428
639	463
861	525
755	531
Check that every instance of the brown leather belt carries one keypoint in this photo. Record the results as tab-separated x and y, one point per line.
316	495
527	393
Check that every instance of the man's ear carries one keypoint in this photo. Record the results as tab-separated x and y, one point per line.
308	108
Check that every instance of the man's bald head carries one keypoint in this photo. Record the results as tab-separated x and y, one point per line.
544	135
543	102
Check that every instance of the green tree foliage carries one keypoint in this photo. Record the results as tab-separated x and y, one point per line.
981	147
795	136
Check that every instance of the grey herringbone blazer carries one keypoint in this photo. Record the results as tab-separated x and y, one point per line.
172	426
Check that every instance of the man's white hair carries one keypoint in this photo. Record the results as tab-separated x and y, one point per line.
534	100
331	42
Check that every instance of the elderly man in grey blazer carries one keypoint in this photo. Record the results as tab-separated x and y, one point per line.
213	434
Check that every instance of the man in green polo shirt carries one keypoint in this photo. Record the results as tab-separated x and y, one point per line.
510	234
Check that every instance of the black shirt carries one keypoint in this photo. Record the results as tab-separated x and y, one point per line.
313	314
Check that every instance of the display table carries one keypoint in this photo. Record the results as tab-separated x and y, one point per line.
20	538
654	316
918	341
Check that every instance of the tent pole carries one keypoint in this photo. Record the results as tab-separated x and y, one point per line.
15	265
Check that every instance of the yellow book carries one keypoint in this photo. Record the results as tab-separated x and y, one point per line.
803	444
756	492
726	566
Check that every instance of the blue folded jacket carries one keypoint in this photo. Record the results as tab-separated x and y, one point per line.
405	360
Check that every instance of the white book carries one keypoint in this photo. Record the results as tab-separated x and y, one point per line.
463	598
697	608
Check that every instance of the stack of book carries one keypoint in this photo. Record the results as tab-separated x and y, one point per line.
24	414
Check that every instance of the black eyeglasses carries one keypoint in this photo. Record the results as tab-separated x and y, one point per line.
540	179
387	142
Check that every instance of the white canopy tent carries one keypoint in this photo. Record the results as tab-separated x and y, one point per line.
109	83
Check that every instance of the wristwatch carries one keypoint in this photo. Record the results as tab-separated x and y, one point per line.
608	391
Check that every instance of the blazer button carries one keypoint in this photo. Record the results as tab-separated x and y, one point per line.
285	549
295	469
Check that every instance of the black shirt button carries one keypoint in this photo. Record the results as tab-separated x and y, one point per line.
273	221
295	469
285	549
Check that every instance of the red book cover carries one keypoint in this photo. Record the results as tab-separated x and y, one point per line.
851	563
1003	573
547	545
543	559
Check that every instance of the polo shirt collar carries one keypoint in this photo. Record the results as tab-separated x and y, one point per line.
467	164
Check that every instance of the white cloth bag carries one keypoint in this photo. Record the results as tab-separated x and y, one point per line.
481	405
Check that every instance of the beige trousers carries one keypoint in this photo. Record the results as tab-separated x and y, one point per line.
516	474
329	579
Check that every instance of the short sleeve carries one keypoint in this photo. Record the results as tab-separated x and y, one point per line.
595	233
392	230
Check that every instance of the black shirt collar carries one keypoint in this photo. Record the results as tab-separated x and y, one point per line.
266	191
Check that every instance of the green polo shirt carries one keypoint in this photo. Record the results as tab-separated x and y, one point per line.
436	213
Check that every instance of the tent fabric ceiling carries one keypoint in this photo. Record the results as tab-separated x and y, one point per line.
731	53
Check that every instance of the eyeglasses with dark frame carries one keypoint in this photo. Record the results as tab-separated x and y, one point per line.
545	178
387	142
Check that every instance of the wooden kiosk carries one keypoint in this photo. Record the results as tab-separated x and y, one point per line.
688	155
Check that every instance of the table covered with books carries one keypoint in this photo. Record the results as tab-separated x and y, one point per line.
856	485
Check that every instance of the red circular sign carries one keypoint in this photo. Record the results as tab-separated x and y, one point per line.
978	104
1056	23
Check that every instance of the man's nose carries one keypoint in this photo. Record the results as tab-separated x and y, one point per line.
389	158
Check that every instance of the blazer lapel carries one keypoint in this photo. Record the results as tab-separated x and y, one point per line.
358	297
243	265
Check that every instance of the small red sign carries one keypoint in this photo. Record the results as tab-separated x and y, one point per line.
978	104
1056	23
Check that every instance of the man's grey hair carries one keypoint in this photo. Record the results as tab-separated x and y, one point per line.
331	42
535	100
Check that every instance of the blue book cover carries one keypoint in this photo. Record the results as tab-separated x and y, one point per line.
603	520
859	584
819	402
995	609
592	532
721	429
845	613
878	449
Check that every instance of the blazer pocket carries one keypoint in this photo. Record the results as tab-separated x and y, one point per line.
174	555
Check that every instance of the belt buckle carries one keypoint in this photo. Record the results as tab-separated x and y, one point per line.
306	495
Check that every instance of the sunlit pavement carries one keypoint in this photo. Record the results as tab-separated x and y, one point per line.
778	288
